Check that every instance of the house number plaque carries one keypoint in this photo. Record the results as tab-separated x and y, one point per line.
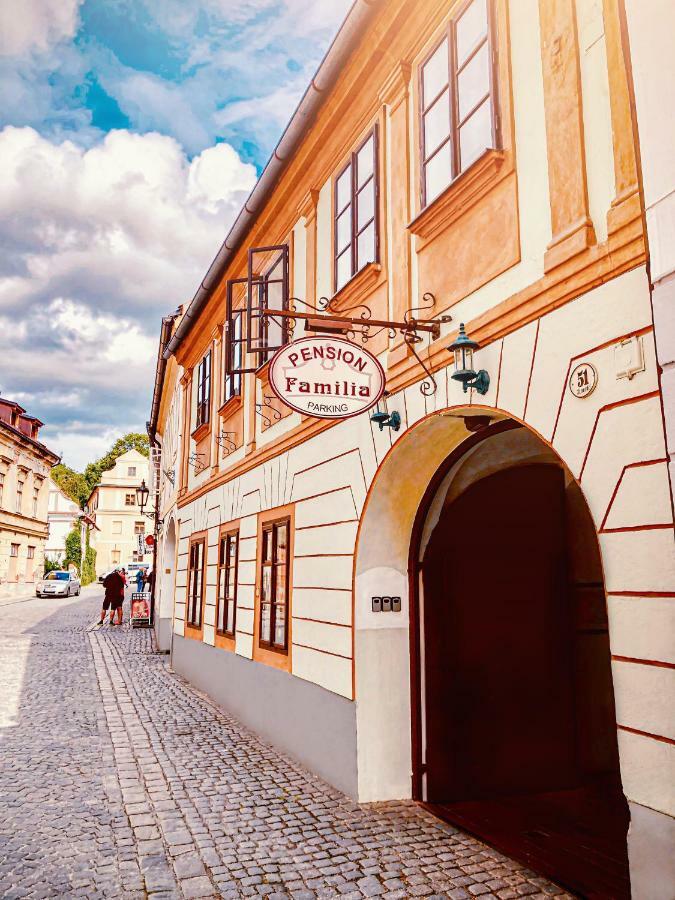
583	379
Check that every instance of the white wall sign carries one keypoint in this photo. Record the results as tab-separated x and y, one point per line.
583	379
326	377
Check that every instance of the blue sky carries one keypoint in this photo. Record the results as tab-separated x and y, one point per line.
130	133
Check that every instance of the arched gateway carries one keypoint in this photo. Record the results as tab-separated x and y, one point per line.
494	693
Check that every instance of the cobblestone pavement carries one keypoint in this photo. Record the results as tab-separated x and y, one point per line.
117	779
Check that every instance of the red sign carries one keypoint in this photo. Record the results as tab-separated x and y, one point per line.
150	540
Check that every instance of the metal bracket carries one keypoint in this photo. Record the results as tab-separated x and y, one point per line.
267	403
170	475
196	460
225	442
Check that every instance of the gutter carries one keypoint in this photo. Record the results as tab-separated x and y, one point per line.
160	371
326	76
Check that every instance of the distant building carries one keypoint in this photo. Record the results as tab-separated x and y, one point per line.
118	519
62	514
25	464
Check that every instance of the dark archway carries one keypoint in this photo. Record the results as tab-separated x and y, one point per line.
516	726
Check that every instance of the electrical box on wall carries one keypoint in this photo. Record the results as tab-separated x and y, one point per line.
386	604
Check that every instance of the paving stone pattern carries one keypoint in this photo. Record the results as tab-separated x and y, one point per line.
118	779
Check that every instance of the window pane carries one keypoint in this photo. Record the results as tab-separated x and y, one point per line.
266	586
365	205
281	585
265	634
280	626
473	82
344	189
364	162
435	72
282	542
475	136
230	616
438	173
437	124
366	246
344	269
471	28
344	229
274	331
267	545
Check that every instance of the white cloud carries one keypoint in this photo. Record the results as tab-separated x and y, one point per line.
36	24
96	245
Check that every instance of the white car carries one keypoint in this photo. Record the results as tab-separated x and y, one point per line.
58	584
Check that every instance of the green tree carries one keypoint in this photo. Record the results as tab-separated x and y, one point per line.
132	441
73	548
72	483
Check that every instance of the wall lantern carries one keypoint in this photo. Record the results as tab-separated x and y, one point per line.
462	348
142	495
381	417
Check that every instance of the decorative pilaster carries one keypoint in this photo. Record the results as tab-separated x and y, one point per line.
216	395
396	151
186	385
572	227
307	211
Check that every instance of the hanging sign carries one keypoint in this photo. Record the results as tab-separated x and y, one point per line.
326	377
583	380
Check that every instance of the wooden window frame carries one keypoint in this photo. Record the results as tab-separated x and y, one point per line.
195	541
31	552
14	550
131	502
271	525
449	34
204	370
223	566
234	346
354	192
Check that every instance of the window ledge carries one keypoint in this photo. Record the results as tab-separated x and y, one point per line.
465	191
365	279
230	406
200	432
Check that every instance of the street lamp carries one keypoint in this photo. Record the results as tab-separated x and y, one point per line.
384	418
462	349
142	496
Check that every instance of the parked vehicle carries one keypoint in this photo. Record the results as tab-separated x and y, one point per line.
58	584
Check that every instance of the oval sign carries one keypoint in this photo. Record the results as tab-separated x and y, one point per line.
583	380
326	377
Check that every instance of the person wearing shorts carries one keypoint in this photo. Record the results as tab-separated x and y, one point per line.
114	597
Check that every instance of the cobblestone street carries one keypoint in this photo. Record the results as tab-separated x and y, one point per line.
118	780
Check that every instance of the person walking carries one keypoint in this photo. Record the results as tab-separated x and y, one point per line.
140	580
113	584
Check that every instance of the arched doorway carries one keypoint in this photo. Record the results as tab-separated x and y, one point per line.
514	734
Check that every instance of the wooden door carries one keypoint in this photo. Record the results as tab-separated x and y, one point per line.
499	710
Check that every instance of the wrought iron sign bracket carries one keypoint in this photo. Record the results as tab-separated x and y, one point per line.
196	460
267	404
326	319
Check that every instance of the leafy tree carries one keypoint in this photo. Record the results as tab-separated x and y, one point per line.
72	483
88	570
73	548
52	564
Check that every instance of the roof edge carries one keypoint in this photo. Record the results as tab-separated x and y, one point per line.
325	78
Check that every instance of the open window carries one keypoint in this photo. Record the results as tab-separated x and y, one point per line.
267	289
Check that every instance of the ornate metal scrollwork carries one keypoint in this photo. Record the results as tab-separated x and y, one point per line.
225	442
196	460
268	404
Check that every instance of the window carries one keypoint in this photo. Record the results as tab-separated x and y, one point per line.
31	552
274	585
130	499
131	471
14	550
139	527
117	527
457	100
233	362
19	491
115	557
356	215
227	583
3	472
195	583
204	390
36	492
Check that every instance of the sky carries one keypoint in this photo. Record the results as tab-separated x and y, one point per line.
131	132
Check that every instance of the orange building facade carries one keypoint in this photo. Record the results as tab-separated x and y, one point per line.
473	610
